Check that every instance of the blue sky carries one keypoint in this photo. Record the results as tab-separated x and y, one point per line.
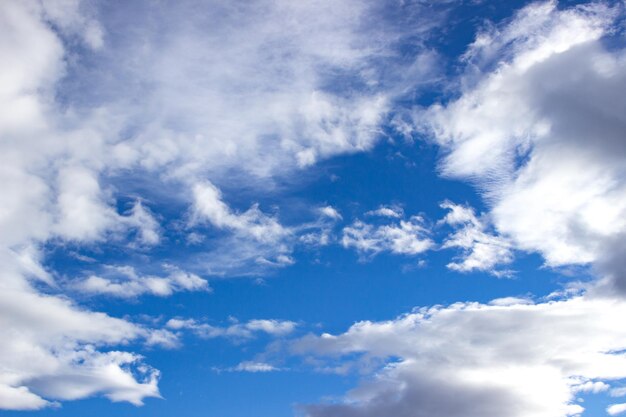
322	208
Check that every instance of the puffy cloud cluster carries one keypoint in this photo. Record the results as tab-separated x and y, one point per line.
249	91
483	251
407	237
510	357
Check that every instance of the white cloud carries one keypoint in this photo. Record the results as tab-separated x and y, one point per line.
616	409
126	282
384	211
256	241
330	212
240	89
208	204
483	251
273	327
471	359
539	126
148	228
235	92
618	392
249	366
20	398
50	349
592	386
218	96
408	237
83	214
320	232
236	331
507	301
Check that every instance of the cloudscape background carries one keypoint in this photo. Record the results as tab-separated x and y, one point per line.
314	208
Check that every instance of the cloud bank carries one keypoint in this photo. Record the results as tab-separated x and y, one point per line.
476	360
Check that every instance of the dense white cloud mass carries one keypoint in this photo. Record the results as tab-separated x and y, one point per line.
476	360
483	251
407	237
539	125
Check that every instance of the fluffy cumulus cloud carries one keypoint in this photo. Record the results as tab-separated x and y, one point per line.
510	358
539	126
482	250
406	237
